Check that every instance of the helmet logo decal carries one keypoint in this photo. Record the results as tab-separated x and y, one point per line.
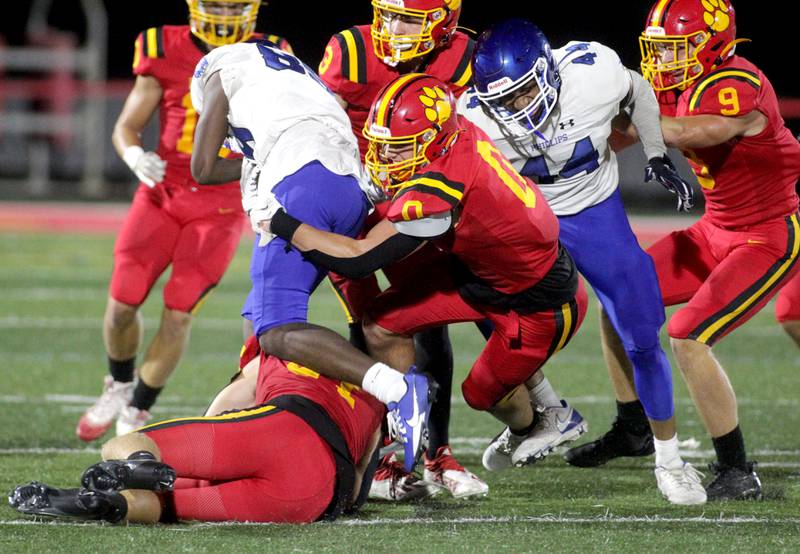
437	108
716	15
453	4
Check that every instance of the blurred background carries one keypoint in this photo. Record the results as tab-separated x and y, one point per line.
65	72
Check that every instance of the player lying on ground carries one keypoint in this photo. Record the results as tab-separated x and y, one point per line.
296	457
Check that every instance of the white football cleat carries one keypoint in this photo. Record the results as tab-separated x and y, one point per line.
393	483
445	471
130	419
554	425
497	455
98	418
681	485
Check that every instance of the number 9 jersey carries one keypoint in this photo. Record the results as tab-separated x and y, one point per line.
746	180
568	156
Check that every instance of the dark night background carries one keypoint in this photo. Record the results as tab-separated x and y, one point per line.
308	25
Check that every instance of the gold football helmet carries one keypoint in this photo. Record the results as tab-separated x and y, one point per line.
220	22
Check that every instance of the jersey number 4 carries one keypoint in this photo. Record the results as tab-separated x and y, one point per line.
584	158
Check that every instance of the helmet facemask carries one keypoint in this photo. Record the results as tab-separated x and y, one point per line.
500	96
388	174
671	61
417	39
221	22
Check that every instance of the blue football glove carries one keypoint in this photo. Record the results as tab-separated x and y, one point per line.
662	170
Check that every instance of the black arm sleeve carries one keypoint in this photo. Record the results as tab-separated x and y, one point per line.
389	251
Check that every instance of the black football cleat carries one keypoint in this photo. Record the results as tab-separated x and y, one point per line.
619	441
117	475
38	499
733	483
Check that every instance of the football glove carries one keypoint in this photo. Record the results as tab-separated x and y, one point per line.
662	170
147	166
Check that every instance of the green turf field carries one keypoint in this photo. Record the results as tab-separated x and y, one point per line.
52	295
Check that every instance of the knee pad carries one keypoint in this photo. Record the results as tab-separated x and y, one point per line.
482	394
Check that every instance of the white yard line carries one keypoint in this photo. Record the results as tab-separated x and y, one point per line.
482	520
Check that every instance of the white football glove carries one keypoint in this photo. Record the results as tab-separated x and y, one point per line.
249	184
147	166
265	208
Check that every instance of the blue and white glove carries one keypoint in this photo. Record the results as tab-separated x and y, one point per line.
662	170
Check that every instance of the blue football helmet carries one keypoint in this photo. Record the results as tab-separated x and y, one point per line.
515	56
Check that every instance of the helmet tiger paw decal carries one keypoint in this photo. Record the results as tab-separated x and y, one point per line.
437	108
716	14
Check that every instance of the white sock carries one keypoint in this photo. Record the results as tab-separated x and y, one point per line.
544	396
667	454
384	383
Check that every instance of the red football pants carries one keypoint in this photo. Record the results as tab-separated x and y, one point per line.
724	276
194	228
262	464
518	347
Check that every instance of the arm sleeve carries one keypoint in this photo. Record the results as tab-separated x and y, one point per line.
386	253
645	114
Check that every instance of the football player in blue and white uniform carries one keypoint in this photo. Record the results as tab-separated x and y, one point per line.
550	112
299	150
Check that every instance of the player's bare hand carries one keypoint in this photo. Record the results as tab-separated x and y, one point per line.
147	166
663	171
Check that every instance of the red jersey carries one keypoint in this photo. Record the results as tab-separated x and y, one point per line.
504	231
746	180
356	413
170	54
351	69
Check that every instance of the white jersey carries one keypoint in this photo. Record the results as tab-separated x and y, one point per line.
281	115
568	157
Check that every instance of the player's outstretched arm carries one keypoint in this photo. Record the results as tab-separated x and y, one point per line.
704	131
352	258
212	129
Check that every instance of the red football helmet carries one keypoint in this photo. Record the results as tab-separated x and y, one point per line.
407	29
412	122
685	39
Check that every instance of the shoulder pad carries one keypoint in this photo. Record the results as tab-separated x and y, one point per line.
149	46
353	53
728	92
462	76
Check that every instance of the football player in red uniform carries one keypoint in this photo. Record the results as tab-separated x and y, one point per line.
745	247
238	466
451	187
172	220
404	37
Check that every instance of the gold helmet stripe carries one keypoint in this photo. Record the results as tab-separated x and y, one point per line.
383	108
658	13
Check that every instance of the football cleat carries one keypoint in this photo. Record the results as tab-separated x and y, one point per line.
117	475
38	499
408	417
554	425
393	483
681	485
98	419
130	419
732	483
445	471
619	441
497	455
